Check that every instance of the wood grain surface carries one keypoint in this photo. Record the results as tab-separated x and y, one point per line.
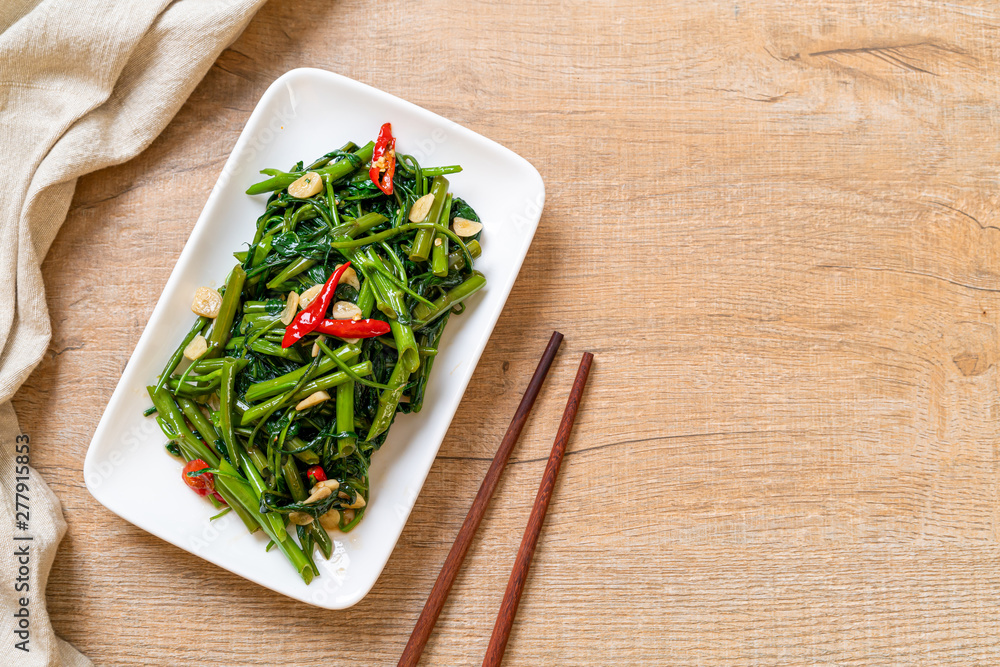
775	224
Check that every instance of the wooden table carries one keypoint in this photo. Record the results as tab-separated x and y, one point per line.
777	229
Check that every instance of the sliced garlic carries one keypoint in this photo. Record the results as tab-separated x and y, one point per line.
421	208
197	347
315	347
349	277
291	305
206	302
331	484
330	520
358	500
300	518
307	185
345	310
312	399
466	228
306	297
321	493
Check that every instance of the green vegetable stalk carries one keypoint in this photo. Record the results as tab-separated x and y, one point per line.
260	408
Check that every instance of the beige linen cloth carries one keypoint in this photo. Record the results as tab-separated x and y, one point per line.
84	84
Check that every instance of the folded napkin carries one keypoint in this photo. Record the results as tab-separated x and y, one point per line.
84	84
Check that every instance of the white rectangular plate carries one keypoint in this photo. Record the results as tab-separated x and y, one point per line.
304	114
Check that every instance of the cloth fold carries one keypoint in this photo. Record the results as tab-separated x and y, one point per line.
84	84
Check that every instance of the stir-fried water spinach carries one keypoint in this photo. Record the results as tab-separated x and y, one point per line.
326	328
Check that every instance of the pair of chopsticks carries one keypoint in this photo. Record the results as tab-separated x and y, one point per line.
515	586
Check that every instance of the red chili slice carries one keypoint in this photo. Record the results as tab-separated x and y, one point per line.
202	484
353	328
308	319
316	474
384	160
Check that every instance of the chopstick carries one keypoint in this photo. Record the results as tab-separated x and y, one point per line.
435	601
512	597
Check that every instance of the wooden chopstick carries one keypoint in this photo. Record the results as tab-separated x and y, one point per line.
439	593
508	608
